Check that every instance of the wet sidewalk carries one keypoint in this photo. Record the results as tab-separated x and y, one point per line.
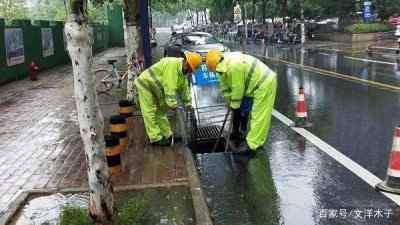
40	144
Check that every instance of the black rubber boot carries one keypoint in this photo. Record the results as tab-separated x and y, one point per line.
176	138
244	121
235	135
162	142
243	148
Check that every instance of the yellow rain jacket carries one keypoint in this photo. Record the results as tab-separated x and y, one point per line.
243	75
158	86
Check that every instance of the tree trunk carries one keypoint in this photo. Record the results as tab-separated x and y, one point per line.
284	4
253	13
91	124
205	16
132	47
197	19
191	17
264	8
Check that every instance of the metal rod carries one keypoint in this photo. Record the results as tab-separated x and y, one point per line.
197	109
229	134
218	121
212	110
211	106
174	128
212	116
222	129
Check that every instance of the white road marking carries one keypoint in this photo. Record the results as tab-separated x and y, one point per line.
358	170
368	60
390	55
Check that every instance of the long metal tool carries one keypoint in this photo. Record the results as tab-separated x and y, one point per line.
175	126
222	129
173	131
229	134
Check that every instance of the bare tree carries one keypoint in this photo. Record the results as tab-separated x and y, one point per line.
91	124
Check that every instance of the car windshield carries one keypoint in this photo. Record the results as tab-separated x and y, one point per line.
199	40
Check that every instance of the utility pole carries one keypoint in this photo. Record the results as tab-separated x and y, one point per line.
245	21
150	17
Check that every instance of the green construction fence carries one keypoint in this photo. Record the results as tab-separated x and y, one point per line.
33	50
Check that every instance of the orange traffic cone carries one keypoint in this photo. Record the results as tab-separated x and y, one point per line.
392	182
301	111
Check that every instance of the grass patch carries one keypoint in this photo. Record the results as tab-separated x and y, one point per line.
362	28
132	212
75	216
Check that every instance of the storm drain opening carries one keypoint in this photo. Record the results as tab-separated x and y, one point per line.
205	139
207	134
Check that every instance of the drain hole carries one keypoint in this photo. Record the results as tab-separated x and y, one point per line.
205	140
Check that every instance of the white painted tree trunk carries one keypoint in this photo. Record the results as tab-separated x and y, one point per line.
303	34
132	47
303	29
90	118
132	40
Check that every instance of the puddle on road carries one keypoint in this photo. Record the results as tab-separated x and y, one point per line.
169	206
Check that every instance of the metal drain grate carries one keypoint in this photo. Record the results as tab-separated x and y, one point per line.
207	133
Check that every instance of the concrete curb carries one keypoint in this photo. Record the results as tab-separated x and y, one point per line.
13	206
199	201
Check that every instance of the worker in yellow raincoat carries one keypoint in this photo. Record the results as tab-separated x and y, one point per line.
242	78
158	86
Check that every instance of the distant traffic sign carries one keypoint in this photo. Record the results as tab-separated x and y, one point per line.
367	10
237	14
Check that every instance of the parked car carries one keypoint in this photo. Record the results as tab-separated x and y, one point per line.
199	42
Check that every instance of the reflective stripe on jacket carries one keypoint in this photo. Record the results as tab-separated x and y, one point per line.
164	79
241	75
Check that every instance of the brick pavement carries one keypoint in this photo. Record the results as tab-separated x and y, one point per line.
40	144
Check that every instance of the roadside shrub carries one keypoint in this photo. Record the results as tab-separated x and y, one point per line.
75	216
362	28
132	212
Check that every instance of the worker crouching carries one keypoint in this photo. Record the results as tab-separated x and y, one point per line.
157	87
247	84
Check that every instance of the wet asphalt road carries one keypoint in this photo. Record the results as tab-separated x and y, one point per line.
295	179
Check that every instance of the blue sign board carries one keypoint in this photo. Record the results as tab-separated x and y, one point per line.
367	10
204	76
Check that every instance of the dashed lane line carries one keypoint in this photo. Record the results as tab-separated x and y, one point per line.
369	60
327	72
355	168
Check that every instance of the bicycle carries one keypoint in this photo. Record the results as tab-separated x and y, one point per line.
107	78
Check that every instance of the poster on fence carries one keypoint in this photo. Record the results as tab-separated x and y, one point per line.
47	42
14	41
